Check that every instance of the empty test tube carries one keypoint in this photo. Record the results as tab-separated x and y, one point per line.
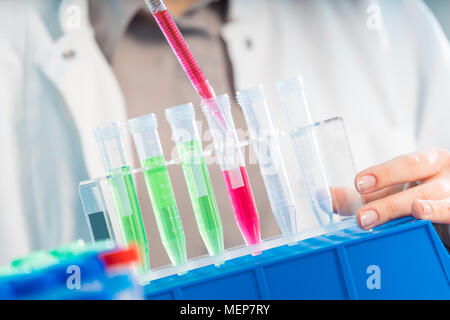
233	167
297	113
145	134
125	200
268	153
182	121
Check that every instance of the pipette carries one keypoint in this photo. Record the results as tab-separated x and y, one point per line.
182	120
268	153
125	200
307	151
233	168
182	51
146	138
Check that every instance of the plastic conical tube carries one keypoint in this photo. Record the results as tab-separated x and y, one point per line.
233	168
124	196
146	138
182	121
307	151
269	157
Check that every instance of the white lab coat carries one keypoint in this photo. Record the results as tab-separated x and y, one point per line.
391	85
55	87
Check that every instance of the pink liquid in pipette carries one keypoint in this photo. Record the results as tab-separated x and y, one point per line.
184	54
185	57
244	208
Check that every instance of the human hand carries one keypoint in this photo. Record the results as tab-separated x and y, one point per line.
416	184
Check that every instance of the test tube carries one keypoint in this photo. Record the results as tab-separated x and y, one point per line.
182	121
307	151
124	196
268	153
233	167
145	134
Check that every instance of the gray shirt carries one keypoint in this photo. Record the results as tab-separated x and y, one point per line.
152	79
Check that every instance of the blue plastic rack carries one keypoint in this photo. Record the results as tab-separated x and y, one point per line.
403	259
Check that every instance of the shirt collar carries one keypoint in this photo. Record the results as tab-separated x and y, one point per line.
110	19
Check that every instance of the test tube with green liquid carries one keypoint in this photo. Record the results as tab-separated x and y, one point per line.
182	121
145	135
112	150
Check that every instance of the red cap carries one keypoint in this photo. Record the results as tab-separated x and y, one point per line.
120	257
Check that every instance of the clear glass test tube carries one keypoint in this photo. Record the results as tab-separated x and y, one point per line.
182	121
124	196
269	157
233	168
305	144
145	134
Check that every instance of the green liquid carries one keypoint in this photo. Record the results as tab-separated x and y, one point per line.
202	196
127	206
165	208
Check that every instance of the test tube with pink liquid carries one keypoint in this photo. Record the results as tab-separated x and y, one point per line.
233	168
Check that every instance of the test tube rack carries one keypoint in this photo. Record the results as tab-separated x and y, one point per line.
403	259
96	199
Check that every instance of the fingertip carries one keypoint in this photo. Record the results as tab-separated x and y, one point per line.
421	210
367	218
365	182
358	221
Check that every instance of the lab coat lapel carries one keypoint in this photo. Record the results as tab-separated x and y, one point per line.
79	71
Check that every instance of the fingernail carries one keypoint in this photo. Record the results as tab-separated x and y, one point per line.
368	218
366	182
426	208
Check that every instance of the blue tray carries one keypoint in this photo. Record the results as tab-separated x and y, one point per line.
403	259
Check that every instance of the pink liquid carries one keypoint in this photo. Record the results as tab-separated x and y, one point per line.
185	57
244	208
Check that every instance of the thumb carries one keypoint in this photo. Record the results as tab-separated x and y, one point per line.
437	211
